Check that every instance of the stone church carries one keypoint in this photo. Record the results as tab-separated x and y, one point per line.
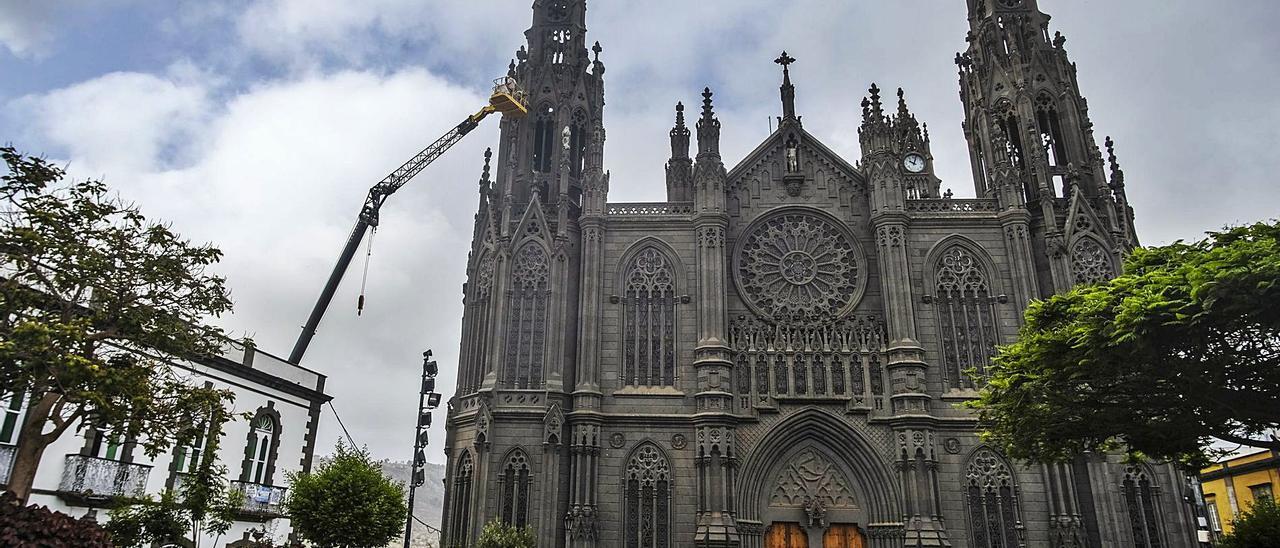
773	356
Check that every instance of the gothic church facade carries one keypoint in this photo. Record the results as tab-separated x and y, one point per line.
773	356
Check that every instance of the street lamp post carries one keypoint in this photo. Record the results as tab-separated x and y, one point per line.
428	399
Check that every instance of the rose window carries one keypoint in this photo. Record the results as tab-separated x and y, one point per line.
798	266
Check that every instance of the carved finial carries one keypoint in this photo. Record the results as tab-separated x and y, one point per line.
1059	40
866	109
902	105
679	114
784	60
597	49
788	90
877	111
926	132
1117	174
484	175
707	111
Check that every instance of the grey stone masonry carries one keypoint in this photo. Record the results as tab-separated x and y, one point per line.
774	355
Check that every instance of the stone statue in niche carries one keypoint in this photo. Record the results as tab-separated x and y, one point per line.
792	156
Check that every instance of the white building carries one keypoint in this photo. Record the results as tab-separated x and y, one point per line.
85	470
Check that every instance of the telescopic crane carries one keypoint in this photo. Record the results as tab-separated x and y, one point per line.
507	99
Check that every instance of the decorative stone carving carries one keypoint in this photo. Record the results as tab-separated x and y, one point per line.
552	422
810	480
1090	263
617	440
678	441
799	266
952	446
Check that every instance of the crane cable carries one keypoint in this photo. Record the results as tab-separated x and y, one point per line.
364	278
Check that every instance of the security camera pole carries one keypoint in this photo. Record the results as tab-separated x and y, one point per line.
428	400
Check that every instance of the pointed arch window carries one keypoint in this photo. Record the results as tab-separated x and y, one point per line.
1090	262
261	450
966	317
1141	498
647	499
516	479
527	317
992	500
544	138
649	315
1050	127
460	516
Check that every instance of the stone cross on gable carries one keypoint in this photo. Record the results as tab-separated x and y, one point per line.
784	60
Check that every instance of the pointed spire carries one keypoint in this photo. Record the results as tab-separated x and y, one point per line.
708	127
902	105
788	90
680	135
484	176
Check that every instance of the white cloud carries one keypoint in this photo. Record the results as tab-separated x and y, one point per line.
27	28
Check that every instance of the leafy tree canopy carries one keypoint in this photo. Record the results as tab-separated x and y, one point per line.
1257	527
94	299
347	503
497	534
1181	350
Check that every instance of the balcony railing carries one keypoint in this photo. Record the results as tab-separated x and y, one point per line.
6	462
965	206
92	477
650	209
262	500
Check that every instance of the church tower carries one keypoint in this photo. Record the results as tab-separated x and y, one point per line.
520	349
1032	146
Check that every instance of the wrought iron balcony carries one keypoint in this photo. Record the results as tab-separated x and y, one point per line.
260	500
95	478
7	453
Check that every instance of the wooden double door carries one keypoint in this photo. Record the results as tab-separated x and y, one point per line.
791	535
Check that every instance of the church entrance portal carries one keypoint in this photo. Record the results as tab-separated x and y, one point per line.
792	535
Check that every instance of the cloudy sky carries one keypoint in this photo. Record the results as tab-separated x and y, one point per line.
259	126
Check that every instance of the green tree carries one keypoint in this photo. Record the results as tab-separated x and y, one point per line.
204	502
497	534
94	300
1181	350
347	503
1258	527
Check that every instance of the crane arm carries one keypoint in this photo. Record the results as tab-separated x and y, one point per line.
506	99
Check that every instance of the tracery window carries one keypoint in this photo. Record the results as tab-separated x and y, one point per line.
186	457
460	501
1090	263
992	501
1141	498
544	138
647	499
649	316
966	317
527	318
516	479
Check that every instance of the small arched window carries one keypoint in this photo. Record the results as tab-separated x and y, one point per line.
649	316
966	316
460	515
1141	497
516	480
261	439
578	142
527	317
647	499
992	500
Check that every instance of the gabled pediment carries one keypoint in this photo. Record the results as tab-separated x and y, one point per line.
768	174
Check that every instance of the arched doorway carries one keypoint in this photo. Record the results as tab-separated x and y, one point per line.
815	482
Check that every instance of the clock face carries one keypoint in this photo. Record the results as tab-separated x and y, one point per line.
914	163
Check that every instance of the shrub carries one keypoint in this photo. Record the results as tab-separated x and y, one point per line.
39	527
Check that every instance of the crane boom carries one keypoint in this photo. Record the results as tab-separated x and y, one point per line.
506	99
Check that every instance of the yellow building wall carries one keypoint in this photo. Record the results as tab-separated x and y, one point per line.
1217	494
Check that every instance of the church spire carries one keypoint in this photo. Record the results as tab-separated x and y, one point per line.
708	128
679	167
788	90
